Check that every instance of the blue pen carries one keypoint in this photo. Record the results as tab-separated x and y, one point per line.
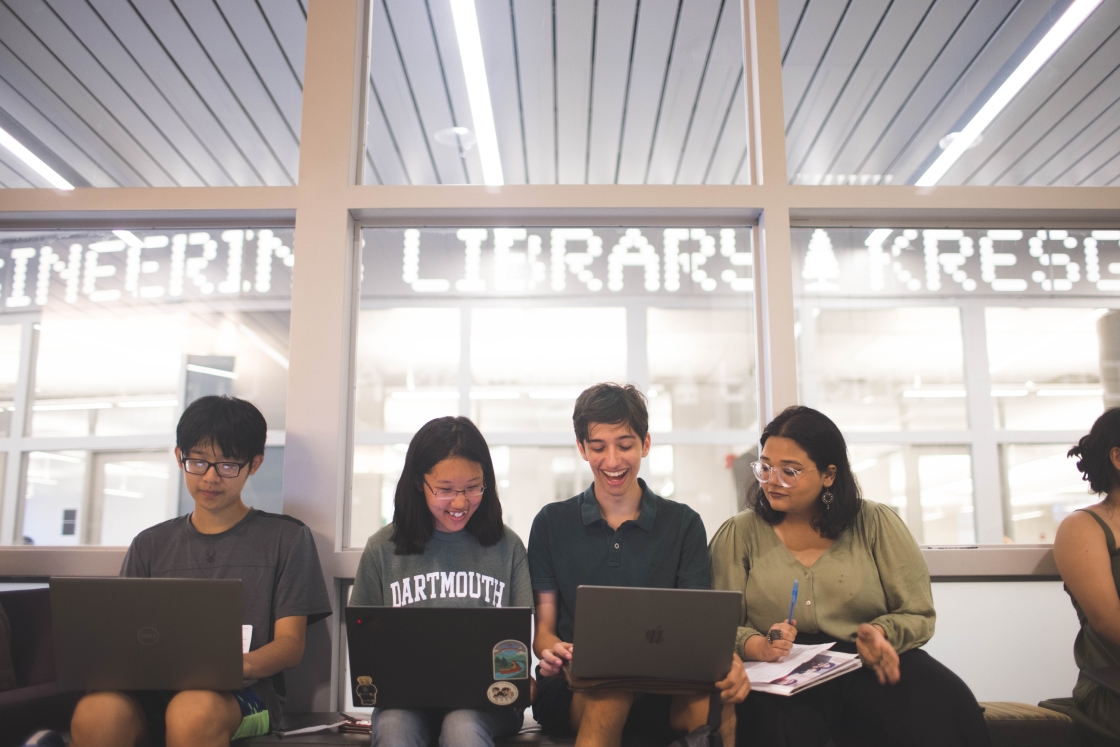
792	602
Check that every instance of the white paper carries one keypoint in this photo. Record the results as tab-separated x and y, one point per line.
768	671
821	668
246	638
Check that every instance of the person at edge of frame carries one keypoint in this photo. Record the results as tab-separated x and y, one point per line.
447	520
220	443
1088	560
647	541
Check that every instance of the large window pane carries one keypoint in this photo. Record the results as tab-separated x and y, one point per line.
529	365
153	95
508	326
578	93
1046	365
884	369
702	369
1041	487
930	487
407	368
876	93
128	327
11	336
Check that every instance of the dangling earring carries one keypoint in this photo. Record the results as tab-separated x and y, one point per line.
827	499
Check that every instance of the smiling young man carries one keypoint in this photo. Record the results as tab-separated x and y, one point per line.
616	533
220	443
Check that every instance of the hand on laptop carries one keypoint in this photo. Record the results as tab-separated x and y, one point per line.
553	659
736	685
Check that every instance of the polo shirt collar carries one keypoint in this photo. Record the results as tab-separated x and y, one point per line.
590	512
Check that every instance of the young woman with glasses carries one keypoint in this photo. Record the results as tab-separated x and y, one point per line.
446	547
863	586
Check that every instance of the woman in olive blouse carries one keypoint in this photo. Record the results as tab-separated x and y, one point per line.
863	584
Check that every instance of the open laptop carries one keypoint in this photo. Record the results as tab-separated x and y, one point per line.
686	635
439	657
147	633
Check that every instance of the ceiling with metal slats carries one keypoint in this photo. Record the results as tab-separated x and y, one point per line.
872	86
583	91
208	92
136	93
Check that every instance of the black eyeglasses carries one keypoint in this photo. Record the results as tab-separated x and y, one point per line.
201	467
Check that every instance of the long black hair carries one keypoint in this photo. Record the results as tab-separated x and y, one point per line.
814	432
1094	452
437	440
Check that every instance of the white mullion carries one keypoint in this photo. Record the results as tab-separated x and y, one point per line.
637	344
986	490
466	378
20	423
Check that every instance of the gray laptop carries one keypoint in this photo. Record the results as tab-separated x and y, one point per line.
147	633
675	634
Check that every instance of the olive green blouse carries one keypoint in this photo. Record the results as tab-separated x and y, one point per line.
873	573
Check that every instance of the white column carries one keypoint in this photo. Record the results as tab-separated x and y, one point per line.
319	421
774	313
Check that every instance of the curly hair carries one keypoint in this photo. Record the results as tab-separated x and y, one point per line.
437	440
1094	452
814	432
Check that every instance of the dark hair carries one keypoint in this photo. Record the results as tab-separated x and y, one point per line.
234	425
1094	452
437	440
612	404
814	432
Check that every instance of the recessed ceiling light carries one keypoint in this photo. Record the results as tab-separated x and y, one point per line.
458	137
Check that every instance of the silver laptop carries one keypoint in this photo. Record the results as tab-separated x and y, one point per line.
675	634
147	633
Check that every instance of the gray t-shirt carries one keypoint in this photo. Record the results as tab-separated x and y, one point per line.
453	571
273	555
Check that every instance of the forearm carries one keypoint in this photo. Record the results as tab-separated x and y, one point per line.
280	654
743	638
544	641
905	631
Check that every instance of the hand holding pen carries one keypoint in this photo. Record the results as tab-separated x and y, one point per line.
778	641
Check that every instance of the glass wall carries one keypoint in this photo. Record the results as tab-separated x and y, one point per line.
104	339
972	350
508	325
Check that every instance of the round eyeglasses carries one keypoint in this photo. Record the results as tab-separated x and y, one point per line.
201	467
445	494
787	476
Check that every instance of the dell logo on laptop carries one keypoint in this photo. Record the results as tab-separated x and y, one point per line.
655	635
148	636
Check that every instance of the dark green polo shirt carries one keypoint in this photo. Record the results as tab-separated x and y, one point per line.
571	544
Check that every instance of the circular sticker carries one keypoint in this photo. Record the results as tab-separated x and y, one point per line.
502	693
148	636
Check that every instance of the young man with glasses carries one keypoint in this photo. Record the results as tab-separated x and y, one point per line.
616	533
220	443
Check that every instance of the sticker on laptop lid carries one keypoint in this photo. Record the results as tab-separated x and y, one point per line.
511	660
365	691
246	638
502	693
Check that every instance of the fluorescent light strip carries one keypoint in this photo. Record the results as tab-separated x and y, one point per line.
211	371
1043	51
422	394
933	393
478	90
73	406
499	394
17	148
149	403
